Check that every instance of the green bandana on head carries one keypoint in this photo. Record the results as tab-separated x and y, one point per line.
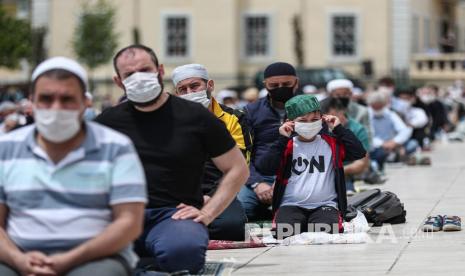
301	105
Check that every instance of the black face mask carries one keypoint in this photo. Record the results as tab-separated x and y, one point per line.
281	94
344	101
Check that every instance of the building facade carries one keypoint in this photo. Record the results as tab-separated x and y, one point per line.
236	38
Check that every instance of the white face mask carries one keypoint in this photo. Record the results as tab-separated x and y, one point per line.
378	113
142	87
427	99
402	106
198	97
57	126
308	130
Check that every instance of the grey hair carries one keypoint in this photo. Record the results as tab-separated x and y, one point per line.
378	96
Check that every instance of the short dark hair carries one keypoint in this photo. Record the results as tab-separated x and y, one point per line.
59	74
409	91
133	47
386	81
336	104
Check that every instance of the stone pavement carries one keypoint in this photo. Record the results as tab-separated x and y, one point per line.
401	250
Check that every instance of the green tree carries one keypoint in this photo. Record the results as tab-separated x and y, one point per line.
94	40
15	40
298	40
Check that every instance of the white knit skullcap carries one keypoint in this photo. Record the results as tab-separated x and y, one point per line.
61	63
309	89
339	83
189	71
223	94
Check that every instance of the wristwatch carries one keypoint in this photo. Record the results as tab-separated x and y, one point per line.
253	186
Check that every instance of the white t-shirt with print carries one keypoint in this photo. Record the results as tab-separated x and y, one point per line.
311	184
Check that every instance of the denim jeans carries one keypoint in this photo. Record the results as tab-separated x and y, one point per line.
175	245
254	209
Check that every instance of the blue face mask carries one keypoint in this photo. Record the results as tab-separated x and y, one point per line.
89	114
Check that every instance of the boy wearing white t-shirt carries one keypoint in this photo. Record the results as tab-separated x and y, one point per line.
309	193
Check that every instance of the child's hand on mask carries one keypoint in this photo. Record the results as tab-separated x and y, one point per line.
287	128
331	121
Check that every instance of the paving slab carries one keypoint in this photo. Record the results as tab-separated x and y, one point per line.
393	250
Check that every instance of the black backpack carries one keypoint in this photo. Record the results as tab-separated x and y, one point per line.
378	207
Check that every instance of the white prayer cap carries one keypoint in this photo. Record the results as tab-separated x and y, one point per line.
357	91
339	83
263	93
309	89
189	71
61	63
7	105
223	94
89	96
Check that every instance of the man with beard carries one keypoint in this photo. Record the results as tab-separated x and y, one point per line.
342	89
192	83
264	117
174	137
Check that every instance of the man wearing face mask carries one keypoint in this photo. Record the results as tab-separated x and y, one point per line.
429	96
309	193
390	132
192	83
351	169
264	118
342	89
174	139
72	192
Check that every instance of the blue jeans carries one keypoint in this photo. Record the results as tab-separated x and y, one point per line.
254	209
379	155
174	244
411	146
350	184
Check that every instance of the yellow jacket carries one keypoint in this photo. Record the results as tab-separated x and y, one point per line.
238	130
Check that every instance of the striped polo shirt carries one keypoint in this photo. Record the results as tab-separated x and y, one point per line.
54	207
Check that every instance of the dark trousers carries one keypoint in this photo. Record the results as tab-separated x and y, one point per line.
293	220
229	225
103	267
379	155
175	245
254	208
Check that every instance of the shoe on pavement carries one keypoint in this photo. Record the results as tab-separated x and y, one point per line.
433	224
425	161
452	223
375	178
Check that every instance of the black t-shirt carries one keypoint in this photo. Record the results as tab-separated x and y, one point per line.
173	143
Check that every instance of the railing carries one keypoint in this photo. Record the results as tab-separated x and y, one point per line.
438	66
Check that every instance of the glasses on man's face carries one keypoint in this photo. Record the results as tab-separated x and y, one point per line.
190	87
274	85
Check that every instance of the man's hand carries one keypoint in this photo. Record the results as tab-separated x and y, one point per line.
264	192
206	199
287	128
190	212
389	145
33	263
331	121
61	263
